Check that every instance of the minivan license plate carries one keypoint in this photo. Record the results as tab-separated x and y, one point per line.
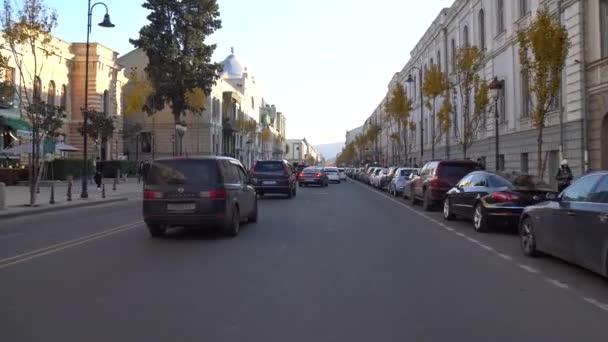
269	182
181	206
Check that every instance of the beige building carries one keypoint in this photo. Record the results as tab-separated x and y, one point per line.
236	98
301	151
61	82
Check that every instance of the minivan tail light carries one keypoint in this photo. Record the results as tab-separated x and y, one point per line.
437	183
318	175
504	197
152	195
213	194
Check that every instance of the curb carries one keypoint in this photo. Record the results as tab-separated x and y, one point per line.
49	209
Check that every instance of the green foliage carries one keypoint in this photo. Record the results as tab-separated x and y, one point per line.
373	132
543	49
179	59
99	125
399	106
62	168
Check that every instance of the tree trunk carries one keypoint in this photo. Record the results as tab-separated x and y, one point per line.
465	129
539	151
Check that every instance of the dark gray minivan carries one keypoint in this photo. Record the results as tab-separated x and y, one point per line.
198	192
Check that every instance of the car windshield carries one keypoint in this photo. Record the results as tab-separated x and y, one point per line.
187	171
312	170
405	173
269	167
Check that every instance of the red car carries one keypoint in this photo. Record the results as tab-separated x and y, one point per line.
436	178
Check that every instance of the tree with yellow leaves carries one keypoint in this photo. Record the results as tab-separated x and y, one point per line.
399	107
435	85
543	48
469	60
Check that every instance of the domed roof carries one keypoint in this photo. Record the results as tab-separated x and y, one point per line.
232	67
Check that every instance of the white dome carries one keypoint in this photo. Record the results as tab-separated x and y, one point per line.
232	67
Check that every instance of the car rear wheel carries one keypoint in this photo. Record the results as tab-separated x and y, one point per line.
294	191
447	210
300	185
232	227
479	219
157	230
426	201
253	217
527	238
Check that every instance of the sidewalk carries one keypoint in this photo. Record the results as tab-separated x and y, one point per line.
18	197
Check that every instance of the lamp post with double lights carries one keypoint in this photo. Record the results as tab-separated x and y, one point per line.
105	23
495	86
411	80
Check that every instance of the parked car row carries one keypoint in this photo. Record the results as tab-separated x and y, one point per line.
571	225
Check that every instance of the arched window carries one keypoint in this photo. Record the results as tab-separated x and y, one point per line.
37	95
51	94
106	102
63	103
465	35
500	16
482	30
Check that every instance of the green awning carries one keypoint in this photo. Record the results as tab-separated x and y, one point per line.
16	124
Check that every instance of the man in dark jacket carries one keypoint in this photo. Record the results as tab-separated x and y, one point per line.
98	172
564	176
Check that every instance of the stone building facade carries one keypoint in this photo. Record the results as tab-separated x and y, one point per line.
235	98
492	25
62	82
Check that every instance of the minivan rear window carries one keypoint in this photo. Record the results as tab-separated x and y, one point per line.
269	167
455	170
186	171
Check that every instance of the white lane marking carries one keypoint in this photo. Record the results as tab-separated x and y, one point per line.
448	228
557	283
460	234
472	240
20	258
486	247
596	303
504	256
528	268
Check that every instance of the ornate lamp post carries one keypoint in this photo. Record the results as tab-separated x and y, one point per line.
411	80
181	128
105	23
495	86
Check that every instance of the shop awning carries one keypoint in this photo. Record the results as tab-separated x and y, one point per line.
16	124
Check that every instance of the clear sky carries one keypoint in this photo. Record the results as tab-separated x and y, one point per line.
325	63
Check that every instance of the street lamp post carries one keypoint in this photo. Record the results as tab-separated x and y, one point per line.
181	128
411	80
105	23
495	86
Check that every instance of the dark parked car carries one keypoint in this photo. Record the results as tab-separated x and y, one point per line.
490	199
198	192
313	175
572	226
387	178
274	177
436	178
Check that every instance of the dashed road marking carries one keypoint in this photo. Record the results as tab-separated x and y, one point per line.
505	256
596	303
528	268
557	283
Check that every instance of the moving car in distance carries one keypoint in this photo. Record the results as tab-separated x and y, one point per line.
400	180
198	192
332	174
436	178
572	226
342	174
274	177
491	199
313	175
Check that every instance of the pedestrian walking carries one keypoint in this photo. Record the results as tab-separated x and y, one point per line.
480	164
564	176
98	172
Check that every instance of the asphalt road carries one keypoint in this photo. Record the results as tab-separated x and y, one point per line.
344	263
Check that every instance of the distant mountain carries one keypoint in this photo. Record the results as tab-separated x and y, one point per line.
329	151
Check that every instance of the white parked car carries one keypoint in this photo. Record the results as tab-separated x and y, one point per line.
377	176
342	174
333	174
